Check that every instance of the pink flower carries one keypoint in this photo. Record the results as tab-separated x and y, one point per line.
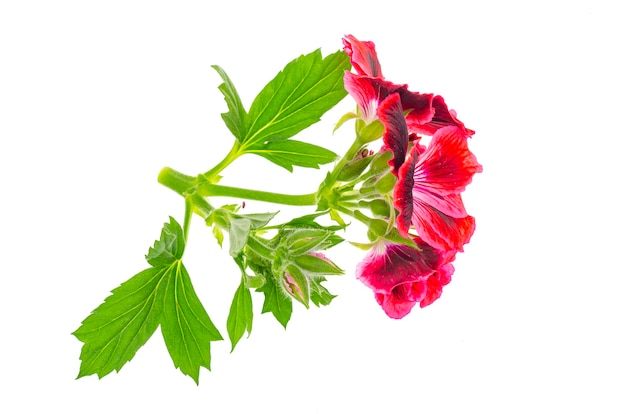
380	99
402	276
427	194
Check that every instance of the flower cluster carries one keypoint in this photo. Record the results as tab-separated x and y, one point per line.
427	190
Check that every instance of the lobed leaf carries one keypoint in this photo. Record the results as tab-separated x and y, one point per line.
186	327
235	118
296	98
122	324
276	302
319	294
169	247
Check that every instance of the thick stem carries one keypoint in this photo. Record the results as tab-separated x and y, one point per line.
175	180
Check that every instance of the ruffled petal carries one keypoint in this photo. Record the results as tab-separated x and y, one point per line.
440	230
396	136
420	106
401	276
442	117
435	284
388	265
362	56
402	298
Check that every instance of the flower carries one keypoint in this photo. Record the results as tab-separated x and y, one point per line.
427	194
402	276
380	99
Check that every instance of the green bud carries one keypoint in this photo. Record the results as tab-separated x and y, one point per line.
386	183
296	284
370	132
378	207
317	265
381	161
355	167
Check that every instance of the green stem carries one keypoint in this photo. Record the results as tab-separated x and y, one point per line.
188	214
176	181
213	190
234	153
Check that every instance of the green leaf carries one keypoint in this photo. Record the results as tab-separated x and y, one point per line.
296	98
238	232
186	327
121	325
163	295
319	294
169	247
235	118
291	152
276	301
240	316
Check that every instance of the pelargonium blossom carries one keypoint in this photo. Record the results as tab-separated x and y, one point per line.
402	276
428	192
380	99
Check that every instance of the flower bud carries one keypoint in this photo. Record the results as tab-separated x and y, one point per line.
296	284
386	183
355	167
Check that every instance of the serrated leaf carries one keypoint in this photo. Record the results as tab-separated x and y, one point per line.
186	327
296	98
235	118
319	294
240	316
291	152
122	324
276	301
163	295
169	247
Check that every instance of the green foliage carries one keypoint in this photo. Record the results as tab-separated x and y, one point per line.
319	294
240	316
276	301
186	326
295	99
161	295
235	118
291	152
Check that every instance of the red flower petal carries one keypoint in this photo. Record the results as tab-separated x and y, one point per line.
427	193
401	276
435	284
396	136
442	117
387	265
362	56
447	166
402	298
440	230
420	105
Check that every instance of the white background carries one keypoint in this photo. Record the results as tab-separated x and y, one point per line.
96	97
